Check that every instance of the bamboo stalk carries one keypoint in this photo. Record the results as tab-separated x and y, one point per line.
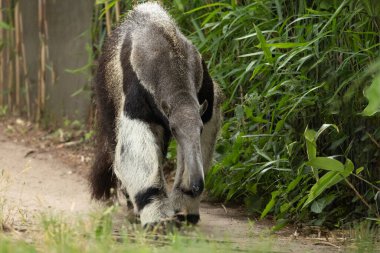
25	68
46	34
117	11
10	78
9	59
1	59
108	18
17	55
38	112
42	60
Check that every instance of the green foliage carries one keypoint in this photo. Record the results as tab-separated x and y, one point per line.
372	93
287	66
337	171
3	110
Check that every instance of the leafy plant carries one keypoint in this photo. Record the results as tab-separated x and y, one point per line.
287	66
372	93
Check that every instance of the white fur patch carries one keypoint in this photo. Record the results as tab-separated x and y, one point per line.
138	159
139	165
156	211
153	9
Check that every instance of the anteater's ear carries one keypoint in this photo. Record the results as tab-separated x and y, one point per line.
206	92
203	107
165	108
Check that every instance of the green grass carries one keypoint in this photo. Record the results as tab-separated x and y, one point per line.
99	232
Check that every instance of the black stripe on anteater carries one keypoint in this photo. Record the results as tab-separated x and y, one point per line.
206	93
139	103
189	218
146	196
192	218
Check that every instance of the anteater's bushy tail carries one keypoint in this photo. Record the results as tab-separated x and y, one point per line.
102	178
103	181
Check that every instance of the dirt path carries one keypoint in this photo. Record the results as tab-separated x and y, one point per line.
35	182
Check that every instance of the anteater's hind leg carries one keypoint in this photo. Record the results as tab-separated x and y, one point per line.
138	159
185	204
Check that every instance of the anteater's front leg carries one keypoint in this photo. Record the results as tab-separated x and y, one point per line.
185	203
138	159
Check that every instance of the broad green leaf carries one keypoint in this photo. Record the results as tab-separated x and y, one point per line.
263	45
318	206
284	207
280	223
210	16
256	71
348	168
372	93
262	153
259	120
359	170
294	183
255	34
270	204
251	54
311	149
279	125
311	146
326	181
290	146
310	134
230	194
286	45
323	128
326	163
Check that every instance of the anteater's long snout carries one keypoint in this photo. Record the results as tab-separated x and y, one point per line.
194	166
197	186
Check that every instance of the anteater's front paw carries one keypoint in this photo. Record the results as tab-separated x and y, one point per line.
157	212
163	226
190	219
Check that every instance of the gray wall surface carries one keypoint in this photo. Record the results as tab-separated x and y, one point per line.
69	24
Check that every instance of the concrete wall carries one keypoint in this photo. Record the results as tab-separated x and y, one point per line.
69	23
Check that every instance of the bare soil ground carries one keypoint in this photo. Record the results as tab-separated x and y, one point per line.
39	175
